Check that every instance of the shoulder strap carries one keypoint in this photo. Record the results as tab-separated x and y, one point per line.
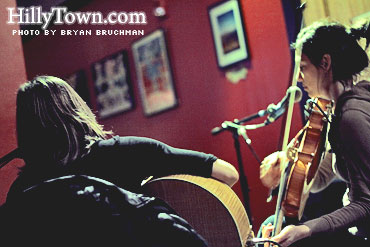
9	157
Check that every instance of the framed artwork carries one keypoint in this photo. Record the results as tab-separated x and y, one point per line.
154	73
78	81
228	33
112	84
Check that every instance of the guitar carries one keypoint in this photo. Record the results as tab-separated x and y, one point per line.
210	207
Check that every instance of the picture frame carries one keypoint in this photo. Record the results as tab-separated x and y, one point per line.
154	74
78	81
113	89
228	33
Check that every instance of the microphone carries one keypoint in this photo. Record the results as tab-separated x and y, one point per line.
276	111
273	111
224	126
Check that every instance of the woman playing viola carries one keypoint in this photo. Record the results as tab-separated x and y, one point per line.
331	61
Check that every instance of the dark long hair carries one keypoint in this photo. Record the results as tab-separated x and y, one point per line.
348	58
54	125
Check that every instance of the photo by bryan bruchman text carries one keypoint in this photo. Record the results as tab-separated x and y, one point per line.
80	32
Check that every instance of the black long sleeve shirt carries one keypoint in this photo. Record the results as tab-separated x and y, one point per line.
126	162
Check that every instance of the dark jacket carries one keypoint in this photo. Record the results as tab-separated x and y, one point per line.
79	210
350	139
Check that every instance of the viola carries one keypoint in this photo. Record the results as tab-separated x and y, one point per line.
305	155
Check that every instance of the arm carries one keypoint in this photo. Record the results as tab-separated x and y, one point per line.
292	234
270	171
196	162
354	129
325	174
225	172
155	158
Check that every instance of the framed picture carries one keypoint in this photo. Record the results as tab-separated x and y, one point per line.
154	73
78	82
112	84
228	33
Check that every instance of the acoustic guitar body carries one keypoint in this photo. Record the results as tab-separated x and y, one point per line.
210	207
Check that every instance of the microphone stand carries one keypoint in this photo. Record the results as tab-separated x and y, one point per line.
237	130
242	178
274	112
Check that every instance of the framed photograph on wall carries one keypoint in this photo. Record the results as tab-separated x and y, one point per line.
154	73
112	84
228	33
78	82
